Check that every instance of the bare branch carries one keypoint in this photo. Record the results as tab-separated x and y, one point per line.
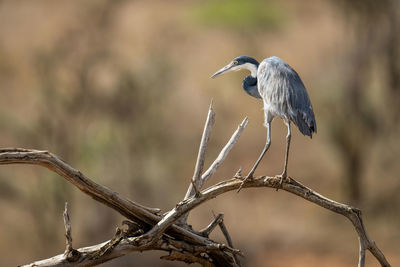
93	255
294	187
224	152
178	240
121	245
70	254
67	225
228	238
217	162
124	206
194	187
206	231
112	199
361	258
289	185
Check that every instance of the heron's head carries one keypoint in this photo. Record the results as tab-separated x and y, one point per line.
239	63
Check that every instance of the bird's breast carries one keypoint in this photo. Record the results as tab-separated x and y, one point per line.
274	100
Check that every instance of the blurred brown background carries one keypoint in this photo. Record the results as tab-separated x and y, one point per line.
120	90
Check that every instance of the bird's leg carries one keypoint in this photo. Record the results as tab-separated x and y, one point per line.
288	137
267	144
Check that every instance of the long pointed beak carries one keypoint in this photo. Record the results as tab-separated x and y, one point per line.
224	70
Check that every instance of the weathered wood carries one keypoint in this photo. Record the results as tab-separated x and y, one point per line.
151	231
224	152
289	185
124	206
214	166
196	180
206	231
228	238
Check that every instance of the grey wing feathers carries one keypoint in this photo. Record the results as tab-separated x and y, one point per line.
300	110
284	94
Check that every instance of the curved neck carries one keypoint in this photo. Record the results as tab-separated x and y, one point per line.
250	86
250	64
252	68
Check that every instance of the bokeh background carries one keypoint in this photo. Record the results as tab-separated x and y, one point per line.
120	90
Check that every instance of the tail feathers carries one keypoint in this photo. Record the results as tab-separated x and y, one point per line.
306	124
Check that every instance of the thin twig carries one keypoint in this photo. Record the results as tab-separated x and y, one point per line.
217	162
228	238
195	185
361	258
70	254
67	225
224	152
206	231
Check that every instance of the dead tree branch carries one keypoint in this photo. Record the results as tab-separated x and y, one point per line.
206	231
224	152
9	156
217	162
131	210
228	239
150	231
195	185
70	253
68	246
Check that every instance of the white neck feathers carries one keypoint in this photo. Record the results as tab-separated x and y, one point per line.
252	68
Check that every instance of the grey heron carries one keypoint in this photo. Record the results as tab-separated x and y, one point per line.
283	93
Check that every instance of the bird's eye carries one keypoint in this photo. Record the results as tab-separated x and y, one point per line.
235	62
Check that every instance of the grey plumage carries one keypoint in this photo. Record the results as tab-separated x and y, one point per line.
283	93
